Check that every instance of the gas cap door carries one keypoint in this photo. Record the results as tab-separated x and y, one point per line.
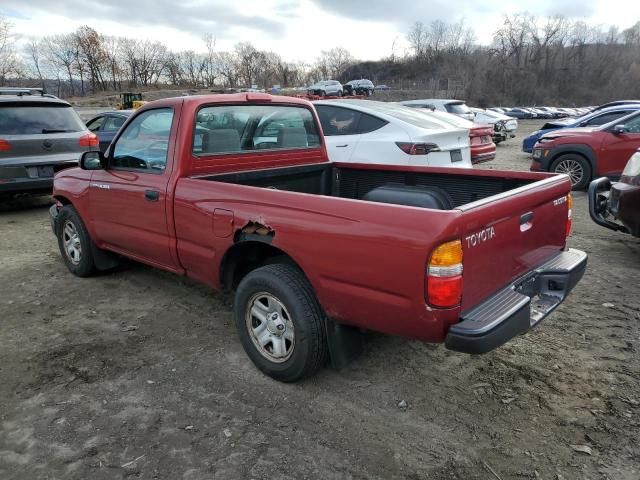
222	222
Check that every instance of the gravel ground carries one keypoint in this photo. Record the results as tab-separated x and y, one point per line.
140	374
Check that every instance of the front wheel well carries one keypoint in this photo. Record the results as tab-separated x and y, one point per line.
243	257
62	199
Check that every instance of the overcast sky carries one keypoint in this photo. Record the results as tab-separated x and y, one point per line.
297	29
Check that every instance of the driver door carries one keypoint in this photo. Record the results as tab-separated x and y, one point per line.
128	198
618	148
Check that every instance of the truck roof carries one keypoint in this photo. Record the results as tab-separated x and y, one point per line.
245	97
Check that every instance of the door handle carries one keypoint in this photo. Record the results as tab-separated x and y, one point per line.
342	146
152	195
526	218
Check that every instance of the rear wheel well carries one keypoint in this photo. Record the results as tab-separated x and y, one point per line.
244	257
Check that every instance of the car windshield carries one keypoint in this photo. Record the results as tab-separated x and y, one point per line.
457	108
38	119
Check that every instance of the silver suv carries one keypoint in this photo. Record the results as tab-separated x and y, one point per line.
326	87
39	135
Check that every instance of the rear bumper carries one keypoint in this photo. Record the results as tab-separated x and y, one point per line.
518	307
619	200
17	185
483	157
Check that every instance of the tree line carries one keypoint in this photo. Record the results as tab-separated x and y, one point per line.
85	62
530	60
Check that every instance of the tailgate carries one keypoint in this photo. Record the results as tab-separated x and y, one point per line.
505	236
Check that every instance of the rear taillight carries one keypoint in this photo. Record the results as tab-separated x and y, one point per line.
569	214
88	140
4	146
444	275
417	148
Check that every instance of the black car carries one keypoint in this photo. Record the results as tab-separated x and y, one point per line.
359	87
107	124
39	135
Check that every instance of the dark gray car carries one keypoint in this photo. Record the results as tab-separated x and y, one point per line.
39	135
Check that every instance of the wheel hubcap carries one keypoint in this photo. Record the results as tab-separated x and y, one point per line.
270	327
71	242
571	168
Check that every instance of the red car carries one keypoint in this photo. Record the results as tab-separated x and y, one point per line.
590	152
236	191
482	147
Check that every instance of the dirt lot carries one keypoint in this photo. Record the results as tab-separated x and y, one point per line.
139	374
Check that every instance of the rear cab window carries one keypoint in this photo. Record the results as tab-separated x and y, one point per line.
228	129
38	118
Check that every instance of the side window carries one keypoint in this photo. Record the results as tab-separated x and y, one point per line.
369	123
338	120
604	118
633	125
244	128
144	144
113	123
95	124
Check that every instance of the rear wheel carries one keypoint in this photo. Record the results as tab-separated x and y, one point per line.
576	166
280	322
74	242
339	93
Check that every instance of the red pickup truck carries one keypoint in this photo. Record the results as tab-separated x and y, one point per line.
236	191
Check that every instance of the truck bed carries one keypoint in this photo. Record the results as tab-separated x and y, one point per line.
355	182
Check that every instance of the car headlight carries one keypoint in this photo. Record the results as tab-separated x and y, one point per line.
633	166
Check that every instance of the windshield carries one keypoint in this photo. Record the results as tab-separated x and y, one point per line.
38	119
458	108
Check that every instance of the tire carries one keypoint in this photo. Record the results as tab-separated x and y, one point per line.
276	304
339	93
323	93
74	242
576	166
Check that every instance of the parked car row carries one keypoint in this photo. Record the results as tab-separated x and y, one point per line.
331	88
527	113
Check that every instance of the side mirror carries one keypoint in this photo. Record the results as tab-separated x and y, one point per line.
92	161
619	129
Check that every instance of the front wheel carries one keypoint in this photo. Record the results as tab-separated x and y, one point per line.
339	93
577	167
280	322
74	242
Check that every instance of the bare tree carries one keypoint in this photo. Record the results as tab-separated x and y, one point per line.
61	50
209	66
33	50
10	64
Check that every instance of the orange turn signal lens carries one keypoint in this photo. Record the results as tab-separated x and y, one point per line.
447	255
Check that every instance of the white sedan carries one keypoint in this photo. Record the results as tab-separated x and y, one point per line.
366	131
